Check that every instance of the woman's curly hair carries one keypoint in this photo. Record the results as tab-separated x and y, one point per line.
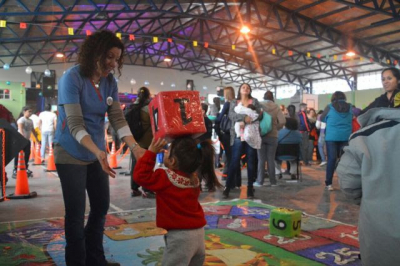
95	49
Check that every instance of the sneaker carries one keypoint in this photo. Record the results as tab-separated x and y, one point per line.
322	164
256	184
29	172
280	176
329	187
274	185
149	194
293	177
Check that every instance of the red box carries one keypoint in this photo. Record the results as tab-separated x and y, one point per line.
176	113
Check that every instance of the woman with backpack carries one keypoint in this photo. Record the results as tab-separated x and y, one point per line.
138	119
269	141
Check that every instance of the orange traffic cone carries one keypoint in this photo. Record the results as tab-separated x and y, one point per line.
21	185
51	166
38	159
113	157
32	155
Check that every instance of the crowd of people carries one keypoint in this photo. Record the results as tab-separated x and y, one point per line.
88	90
323	136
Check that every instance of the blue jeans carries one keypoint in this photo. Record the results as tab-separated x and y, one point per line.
321	144
47	139
237	150
84	243
333	150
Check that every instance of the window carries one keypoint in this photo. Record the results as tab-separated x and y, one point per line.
211	97
330	86
258	94
369	81
286	91
5	94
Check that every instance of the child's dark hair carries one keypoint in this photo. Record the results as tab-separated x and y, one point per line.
23	110
192	156
291	124
252	107
143	95
204	106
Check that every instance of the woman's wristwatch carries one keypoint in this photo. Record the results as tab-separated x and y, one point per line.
134	146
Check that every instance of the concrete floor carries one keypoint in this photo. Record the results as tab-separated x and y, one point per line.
308	196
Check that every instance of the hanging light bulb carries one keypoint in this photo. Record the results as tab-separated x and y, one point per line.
6	66
173	85
245	29
162	83
59	55
146	83
350	54
28	70
47	72
133	81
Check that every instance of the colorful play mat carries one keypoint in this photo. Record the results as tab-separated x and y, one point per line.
237	233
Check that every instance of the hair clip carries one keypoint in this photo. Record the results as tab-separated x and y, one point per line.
199	146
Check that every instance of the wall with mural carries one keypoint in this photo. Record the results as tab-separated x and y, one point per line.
17	96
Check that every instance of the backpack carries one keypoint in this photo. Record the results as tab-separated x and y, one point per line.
265	124
225	124
134	121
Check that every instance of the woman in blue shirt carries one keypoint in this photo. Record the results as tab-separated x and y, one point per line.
337	116
85	93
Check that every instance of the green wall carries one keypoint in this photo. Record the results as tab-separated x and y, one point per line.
285	102
17	99
360	99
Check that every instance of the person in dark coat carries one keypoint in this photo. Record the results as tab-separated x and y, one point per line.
391	85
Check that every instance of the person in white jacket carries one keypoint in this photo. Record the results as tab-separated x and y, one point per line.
369	173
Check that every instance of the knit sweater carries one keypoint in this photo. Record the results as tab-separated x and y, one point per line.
278	119
176	198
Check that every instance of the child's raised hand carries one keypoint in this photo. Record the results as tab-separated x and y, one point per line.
157	145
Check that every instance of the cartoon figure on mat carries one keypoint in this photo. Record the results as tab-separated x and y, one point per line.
177	189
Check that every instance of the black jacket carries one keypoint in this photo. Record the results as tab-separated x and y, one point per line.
381	101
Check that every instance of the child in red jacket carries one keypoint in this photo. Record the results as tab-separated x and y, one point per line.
177	190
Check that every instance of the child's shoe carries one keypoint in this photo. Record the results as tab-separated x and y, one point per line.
136	193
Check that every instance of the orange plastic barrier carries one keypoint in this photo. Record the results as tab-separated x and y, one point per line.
22	186
51	166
